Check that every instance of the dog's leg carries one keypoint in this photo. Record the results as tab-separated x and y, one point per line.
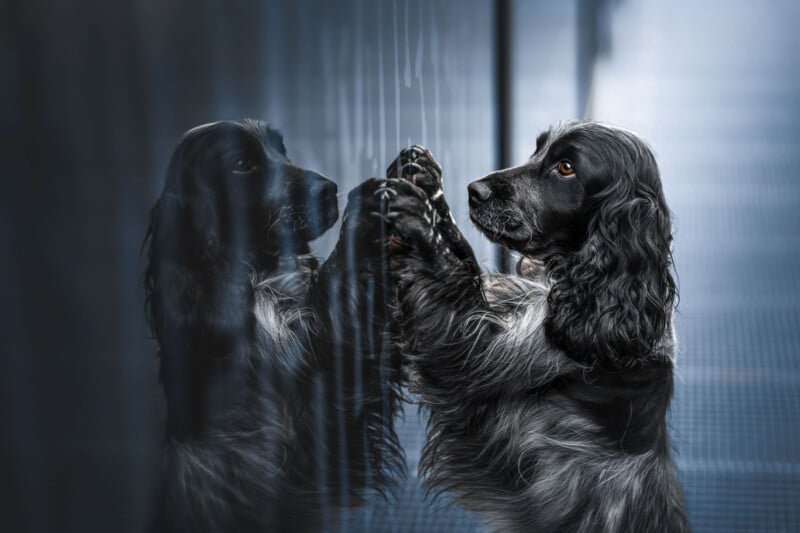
420	246
417	165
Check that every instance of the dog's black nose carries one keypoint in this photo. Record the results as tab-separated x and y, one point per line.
479	191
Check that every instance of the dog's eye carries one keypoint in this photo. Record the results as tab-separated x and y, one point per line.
565	168
243	164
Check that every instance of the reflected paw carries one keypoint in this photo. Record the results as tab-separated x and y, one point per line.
366	209
411	218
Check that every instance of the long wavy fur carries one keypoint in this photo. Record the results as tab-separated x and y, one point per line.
612	299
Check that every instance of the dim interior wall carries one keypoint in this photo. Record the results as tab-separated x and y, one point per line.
96	97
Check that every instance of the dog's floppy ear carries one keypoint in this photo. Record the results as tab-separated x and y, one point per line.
612	301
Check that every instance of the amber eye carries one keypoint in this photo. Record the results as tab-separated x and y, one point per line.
565	168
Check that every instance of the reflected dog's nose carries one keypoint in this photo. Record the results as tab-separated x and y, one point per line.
479	191
319	186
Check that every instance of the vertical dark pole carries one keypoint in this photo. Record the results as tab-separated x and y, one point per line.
503	96
587	48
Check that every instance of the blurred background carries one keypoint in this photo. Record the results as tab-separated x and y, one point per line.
96	94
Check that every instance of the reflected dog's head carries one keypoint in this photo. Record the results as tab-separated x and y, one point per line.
233	206
589	203
230	185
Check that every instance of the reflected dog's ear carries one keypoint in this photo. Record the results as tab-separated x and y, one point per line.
186	215
177	229
187	222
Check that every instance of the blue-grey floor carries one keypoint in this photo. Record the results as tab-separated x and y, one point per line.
410	510
715	88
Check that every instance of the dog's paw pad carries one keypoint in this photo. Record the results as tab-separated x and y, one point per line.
396	243
414	162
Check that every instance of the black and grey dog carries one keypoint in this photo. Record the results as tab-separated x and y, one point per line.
280	390
547	390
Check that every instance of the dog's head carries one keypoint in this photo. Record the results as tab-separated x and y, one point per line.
589	203
231	184
548	203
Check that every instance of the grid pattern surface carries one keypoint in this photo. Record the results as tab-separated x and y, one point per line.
707	85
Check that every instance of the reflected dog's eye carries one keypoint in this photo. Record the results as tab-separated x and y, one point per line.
565	168
243	164
239	162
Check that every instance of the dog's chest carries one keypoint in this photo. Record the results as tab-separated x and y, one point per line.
282	316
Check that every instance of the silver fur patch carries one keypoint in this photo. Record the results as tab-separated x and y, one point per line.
281	317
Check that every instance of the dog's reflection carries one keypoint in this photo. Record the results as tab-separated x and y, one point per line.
279	383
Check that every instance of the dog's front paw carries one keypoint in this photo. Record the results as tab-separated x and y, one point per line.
417	165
